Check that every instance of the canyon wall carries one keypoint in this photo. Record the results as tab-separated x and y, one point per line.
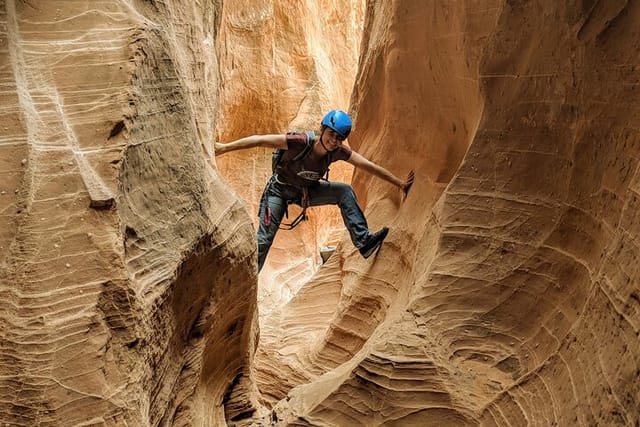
283	65
127	281
506	293
507	290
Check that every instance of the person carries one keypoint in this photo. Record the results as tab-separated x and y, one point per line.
298	179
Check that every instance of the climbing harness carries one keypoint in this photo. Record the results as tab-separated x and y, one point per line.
304	204
309	176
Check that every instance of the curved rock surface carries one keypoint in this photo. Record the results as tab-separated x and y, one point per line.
121	250
507	292
283	65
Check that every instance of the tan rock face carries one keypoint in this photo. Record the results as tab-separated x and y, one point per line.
506	293
283	65
120	245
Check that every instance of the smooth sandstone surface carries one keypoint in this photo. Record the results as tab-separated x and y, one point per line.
507	292
283	65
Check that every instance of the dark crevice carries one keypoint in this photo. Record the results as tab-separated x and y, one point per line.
117	128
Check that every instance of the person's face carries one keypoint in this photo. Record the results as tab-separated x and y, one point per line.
332	140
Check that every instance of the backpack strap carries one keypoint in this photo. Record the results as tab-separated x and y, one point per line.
311	136
329	158
278	153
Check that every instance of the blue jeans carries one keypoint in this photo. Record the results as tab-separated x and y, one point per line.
277	196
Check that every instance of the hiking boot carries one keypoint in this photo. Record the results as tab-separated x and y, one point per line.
374	242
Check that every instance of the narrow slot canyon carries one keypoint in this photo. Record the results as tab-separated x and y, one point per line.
507	292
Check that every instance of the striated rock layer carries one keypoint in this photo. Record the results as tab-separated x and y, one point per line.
507	290
127	280
505	294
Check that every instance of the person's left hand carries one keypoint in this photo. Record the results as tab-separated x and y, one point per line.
219	148
408	183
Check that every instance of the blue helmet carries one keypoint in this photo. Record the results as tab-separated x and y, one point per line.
339	121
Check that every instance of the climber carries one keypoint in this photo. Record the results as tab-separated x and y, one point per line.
300	161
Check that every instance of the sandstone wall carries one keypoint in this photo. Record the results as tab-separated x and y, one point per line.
506	292
121	250
283	65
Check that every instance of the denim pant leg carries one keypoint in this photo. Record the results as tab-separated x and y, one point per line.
266	234
338	193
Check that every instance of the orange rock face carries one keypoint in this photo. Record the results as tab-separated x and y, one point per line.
506	293
283	65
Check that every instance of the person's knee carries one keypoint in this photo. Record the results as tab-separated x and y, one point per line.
346	193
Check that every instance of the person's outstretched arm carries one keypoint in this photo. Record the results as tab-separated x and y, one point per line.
272	141
361	162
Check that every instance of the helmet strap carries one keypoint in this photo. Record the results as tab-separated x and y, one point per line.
320	139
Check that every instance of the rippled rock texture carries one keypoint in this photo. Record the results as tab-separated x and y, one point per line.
127	283
507	292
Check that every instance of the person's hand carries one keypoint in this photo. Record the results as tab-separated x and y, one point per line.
408	183
219	148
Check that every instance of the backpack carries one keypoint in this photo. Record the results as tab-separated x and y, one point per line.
278	153
276	159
